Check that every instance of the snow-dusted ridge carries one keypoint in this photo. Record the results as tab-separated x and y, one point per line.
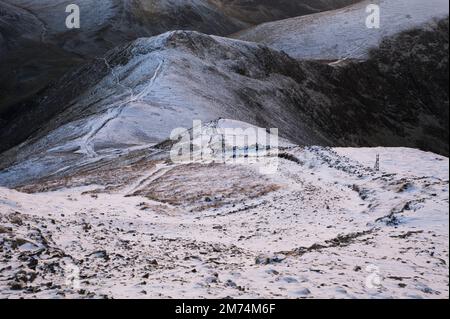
342	33
138	93
38	48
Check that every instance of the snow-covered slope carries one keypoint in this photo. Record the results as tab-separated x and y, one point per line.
37	47
137	94
108	23
324	226
343	33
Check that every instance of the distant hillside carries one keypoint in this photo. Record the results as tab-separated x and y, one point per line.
343	33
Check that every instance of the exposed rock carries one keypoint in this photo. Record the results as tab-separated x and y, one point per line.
303	292
268	260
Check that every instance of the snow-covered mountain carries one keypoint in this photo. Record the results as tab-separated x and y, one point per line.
137	94
343	33
96	201
37	47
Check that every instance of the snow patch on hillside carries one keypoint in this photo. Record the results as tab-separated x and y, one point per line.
342	33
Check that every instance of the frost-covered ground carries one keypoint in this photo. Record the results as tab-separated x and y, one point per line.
325	225
95	208
343	33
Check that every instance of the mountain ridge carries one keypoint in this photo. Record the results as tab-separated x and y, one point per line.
44	49
174	79
342	33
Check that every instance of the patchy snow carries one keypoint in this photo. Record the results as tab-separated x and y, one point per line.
398	161
342	33
330	228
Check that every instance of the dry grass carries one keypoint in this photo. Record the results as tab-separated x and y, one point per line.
199	187
109	177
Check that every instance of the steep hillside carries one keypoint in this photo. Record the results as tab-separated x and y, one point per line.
28	62
254	12
343	33
139	93
37	48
